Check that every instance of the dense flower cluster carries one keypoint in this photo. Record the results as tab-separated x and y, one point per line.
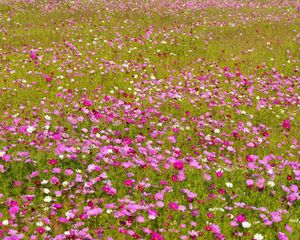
130	129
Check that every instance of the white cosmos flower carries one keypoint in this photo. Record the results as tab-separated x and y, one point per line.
5	222
39	224
65	183
110	151
229	185
258	236
46	190
217	130
48	199
246	224
271	184
68	214
47	117
30	129
44	182
152	217
47	228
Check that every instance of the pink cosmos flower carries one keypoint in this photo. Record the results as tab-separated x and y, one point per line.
57	205
14	210
54	180
282	236
288	228
109	190
249	182
159	196
2	169
62	220
128	182
240	218
94	212
68	172
234	224
6	157
40	230
260	183
276	216
152	213
173	206
87	102
156	236
219	173
18	183
52	161
251	158
172	139
56	170
286	124
33	54
178	165
140	219
47	77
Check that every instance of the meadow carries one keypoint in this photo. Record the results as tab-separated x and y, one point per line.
171	119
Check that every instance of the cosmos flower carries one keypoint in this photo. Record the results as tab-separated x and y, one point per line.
156	236
240	218
282	236
178	165
94	212
258	236
173	206
276	216
246	224
5	222
30	129
48	199
219	173
286	124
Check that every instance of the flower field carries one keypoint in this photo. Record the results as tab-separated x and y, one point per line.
170	119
